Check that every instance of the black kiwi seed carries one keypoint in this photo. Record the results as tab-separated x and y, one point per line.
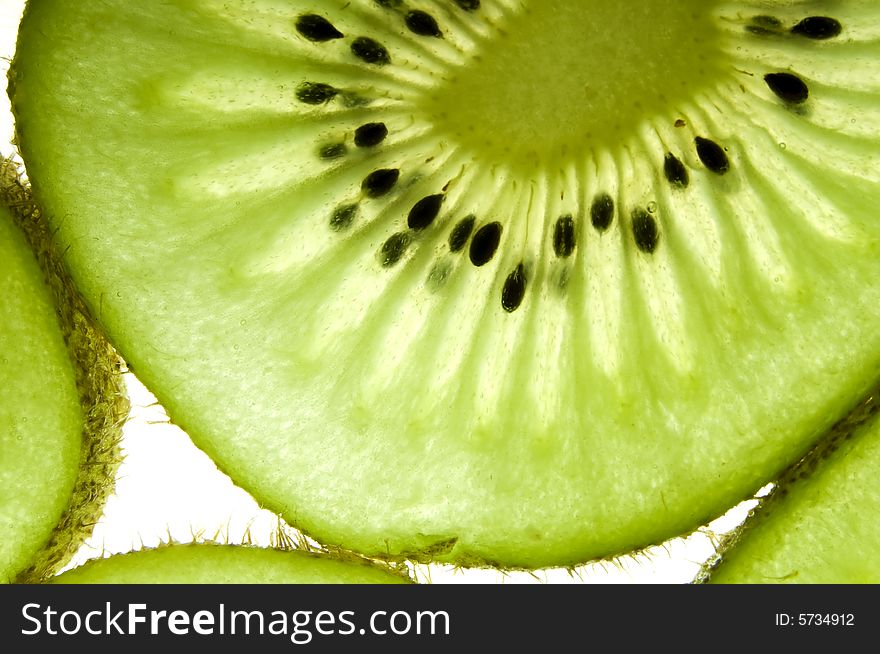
818	27
423	24
394	248
564	237
389	4
380	182
370	51
370	135
645	231
764	25
461	233
351	99
514	289
602	212
789	88
343	217
770	22
333	151
712	155
675	171
439	274
425	212
317	28
485	244
468	5
315	93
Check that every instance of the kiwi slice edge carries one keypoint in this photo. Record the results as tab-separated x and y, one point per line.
818	524
213	563
99	392
451	540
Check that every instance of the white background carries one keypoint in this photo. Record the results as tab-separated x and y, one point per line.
167	489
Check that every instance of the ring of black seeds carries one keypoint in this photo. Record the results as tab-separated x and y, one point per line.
485	242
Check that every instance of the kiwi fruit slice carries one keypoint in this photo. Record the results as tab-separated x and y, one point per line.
207	563
492	282
819	526
61	401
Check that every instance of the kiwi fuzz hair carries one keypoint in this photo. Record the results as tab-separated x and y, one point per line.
98	370
866	411
216	563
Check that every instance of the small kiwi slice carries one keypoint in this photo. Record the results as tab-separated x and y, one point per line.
819	525
512	282
61	401
207	563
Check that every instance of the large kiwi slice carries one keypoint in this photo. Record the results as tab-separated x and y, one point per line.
61	402
820	524
500	281
228	564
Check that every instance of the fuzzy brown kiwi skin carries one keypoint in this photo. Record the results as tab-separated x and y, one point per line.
836	436
98	371
284	544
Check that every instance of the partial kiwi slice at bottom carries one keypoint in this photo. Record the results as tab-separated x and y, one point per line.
229	564
820	524
507	282
61	399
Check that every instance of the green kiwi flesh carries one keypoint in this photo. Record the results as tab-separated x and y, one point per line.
819	526
206	563
60	400
504	282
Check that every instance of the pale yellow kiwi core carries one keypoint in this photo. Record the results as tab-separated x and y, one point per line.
562	78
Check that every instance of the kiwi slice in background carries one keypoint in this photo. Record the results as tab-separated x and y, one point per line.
504	282
61	400
228	564
819	525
